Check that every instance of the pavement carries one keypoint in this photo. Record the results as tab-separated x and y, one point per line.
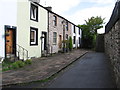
90	71
41	68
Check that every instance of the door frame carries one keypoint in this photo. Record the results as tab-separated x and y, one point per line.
45	38
14	29
60	41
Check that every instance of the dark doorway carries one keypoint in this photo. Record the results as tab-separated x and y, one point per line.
44	42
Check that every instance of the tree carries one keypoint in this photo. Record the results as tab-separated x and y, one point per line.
95	23
89	31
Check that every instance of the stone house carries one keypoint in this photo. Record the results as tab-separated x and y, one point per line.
59	29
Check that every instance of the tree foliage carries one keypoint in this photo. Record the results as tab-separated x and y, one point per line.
89	31
70	43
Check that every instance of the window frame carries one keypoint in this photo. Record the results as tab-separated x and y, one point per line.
79	40
74	39
32	43
33	5
55	38
67	26
74	29
67	36
79	31
54	20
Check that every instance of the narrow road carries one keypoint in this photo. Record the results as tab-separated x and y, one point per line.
90	71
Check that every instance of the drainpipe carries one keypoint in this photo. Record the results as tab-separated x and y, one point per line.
63	36
48	48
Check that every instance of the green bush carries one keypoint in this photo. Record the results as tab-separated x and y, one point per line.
15	65
29	61
6	69
20	63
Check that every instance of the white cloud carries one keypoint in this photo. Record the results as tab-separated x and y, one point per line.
84	14
60	6
100	1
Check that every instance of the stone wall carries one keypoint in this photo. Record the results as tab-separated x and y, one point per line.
100	43
112	49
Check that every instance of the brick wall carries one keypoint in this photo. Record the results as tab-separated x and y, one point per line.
112	49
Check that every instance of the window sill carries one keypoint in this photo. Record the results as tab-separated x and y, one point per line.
33	44
33	20
54	44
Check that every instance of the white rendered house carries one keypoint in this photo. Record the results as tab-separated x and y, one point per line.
23	30
76	36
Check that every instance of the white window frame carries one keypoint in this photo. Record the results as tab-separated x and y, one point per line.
54	38
34	42
35	30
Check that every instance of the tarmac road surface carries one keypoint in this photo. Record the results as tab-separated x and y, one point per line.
90	71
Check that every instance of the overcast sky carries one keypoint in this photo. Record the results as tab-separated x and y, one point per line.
77	11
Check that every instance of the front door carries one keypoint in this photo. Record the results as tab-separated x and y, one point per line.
10	41
60	41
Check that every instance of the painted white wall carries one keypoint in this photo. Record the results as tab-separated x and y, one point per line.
23	27
73	34
7	17
77	37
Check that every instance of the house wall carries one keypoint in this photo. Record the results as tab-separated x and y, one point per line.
69	30
7	17
54	48
78	36
23	27
73	34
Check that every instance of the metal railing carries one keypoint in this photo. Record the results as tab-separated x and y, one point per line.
18	53
23	53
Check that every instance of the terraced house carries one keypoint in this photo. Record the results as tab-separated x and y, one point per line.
29	30
23	25
59	29
76	36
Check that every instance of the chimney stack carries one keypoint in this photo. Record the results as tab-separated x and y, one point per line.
37	1
49	8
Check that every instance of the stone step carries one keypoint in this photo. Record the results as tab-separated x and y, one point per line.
12	57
